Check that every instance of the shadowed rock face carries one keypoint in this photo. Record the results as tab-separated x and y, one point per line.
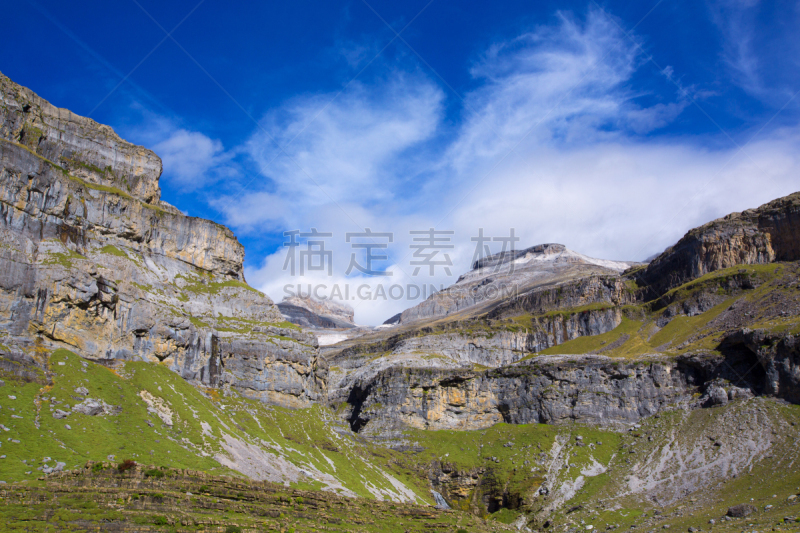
587	389
91	260
553	389
778	358
755	236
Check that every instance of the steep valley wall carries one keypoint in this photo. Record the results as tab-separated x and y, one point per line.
92	260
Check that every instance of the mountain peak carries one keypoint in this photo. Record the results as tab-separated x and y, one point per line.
506	257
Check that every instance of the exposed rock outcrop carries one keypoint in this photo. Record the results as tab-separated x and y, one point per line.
508	275
469	343
92	260
83	148
309	312
552	389
778	357
589	389
755	236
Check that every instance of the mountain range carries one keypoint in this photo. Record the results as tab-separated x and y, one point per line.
145	386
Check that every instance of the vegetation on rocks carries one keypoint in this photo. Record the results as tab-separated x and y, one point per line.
144	386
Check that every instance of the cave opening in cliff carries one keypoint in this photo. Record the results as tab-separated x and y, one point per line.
356	399
741	367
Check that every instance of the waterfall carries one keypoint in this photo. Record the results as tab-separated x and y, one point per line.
440	501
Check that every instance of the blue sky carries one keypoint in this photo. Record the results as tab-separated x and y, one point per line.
611	127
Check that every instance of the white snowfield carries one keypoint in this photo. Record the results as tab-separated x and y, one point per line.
326	339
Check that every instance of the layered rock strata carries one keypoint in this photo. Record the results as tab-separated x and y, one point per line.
468	344
508	275
755	236
92	260
309	312
552	389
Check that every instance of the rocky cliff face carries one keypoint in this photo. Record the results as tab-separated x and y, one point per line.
490	341
778	356
92	260
537	298
507	275
551	389
756	236
591	390
308	312
731	334
85	149
585	291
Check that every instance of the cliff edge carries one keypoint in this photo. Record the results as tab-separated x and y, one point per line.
93	261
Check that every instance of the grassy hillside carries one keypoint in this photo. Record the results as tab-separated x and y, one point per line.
100	497
213	432
753	296
675	471
680	469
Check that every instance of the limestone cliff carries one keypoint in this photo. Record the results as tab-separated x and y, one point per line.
549	389
595	347
464	345
517	326
93	260
83	148
312	313
755	236
508	275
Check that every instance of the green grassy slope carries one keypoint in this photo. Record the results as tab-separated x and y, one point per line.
769	289
679	469
101	498
204	424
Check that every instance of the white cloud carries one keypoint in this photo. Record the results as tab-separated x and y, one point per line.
191	158
350	151
628	200
383	157
561	81
734	18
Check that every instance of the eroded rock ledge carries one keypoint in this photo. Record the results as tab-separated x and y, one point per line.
555	389
93	261
755	236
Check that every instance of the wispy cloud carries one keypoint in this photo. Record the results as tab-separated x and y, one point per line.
734	18
760	51
343	154
552	142
192	160
352	145
561	84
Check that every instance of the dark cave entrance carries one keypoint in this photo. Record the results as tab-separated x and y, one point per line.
741	367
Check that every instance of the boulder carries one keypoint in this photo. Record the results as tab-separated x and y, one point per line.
92	407
742	510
